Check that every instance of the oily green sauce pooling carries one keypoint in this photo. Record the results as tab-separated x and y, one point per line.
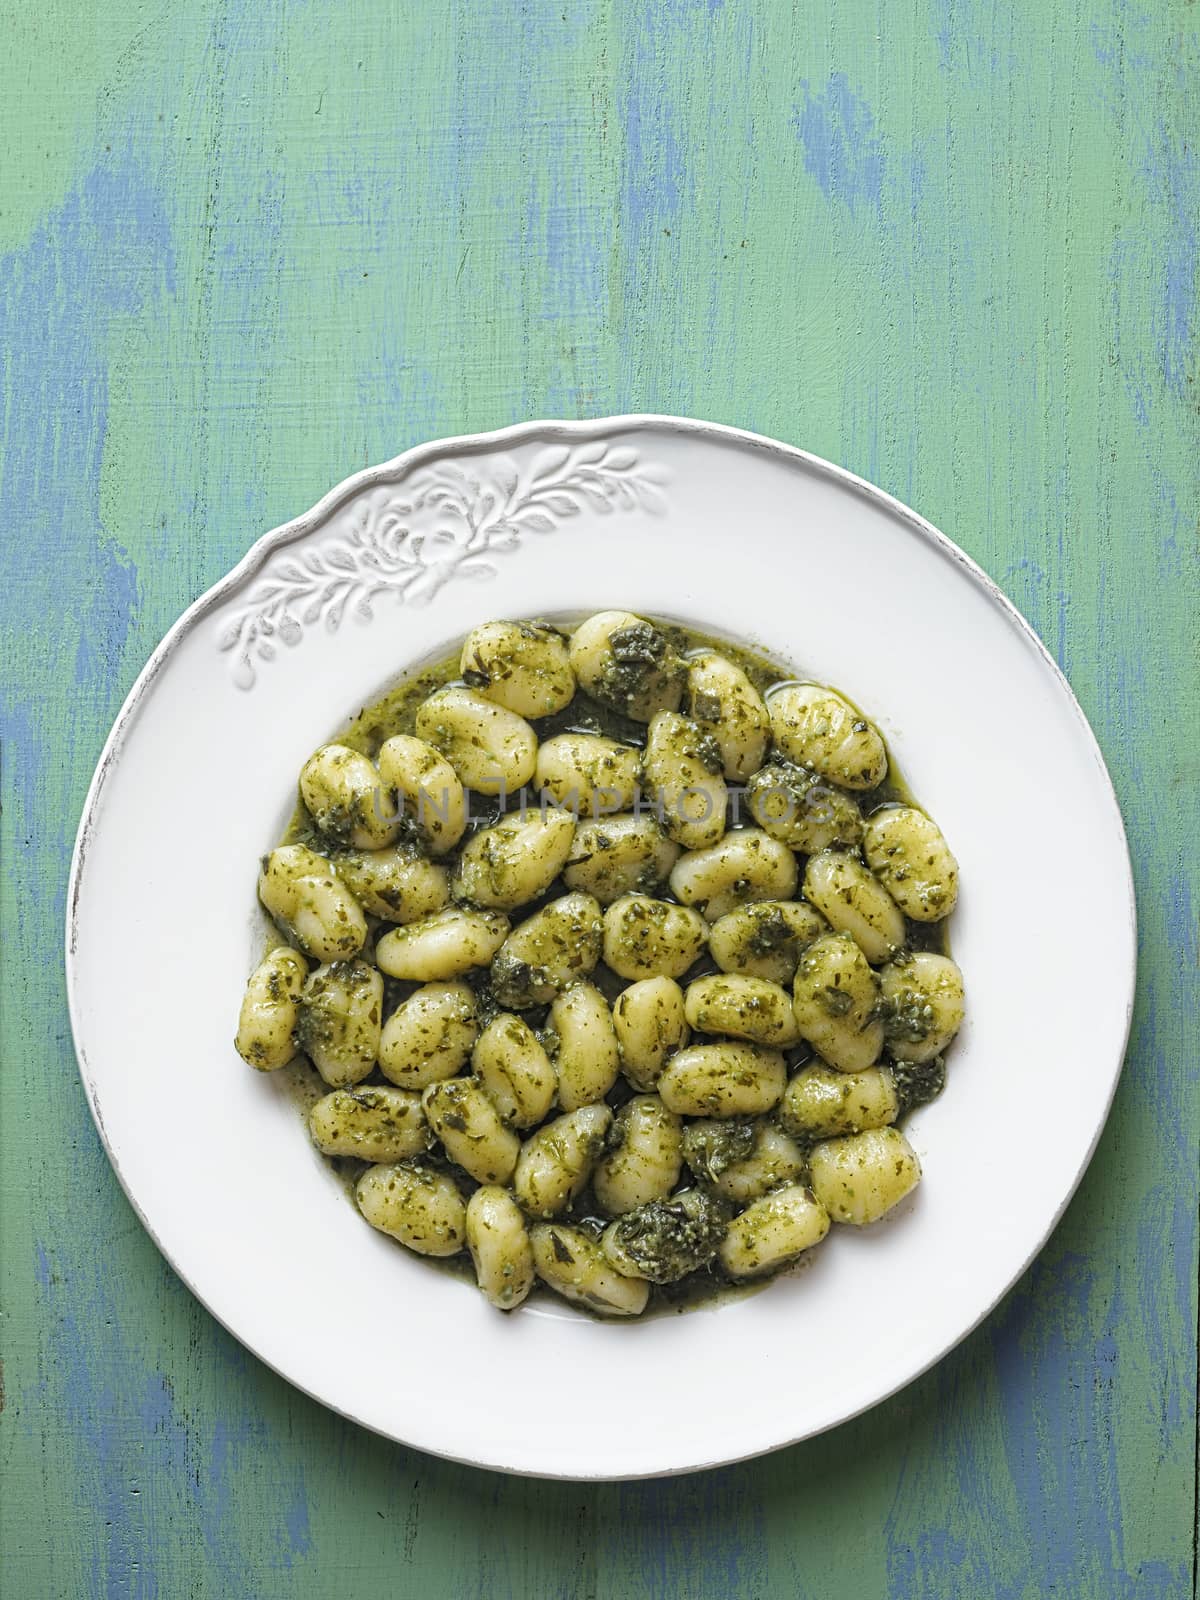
395	713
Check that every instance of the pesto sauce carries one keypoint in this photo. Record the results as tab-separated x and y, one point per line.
395	713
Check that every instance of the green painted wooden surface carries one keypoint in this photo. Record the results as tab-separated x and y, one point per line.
247	247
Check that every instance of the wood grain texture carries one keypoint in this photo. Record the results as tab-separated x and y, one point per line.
247	247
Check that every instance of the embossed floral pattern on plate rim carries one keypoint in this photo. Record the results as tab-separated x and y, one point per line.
409	539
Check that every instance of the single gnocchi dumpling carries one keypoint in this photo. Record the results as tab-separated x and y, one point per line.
500	1249
493	751
729	1079
923	1005
444	945
548	952
908	853
774	1231
347	798
684	777
647	938
854	902
742	1008
801	809
627	663
516	859
663	1240
765	939
556	1162
815	727
398	884
722	701
819	1102
339	1021
645	1154
429	1036
511	1063
744	1169
588	775
859	1178
584	1046
615	856
267	1024
415	1204
571	1262
470	1129
651	1024
369	1123
429	788
307	898
522	666
836	1000
745	865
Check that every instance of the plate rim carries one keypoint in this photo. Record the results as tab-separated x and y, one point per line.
513	436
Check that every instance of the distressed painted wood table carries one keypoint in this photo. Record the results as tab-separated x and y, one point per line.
247	247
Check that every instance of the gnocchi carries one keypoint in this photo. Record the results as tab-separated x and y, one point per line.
723	703
415	1204
800	809
648	938
615	958
728	1079
684	775
746	865
310	902
492	749
500	1249
836	1000
522	666
627	663
548	952
429	787
370	1123
853	901
586	1055
923	1005
765	939
511	1063
347	799
587	774
645	1154
443	945
266	1035
398	884
819	1102
742	1008
742	1160
650	1022
815	727
556	1161
862	1176
773	1231
571	1262
615	856
909	855
429	1036
471	1130
340	1020
515	860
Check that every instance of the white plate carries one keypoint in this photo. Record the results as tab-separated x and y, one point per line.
740	536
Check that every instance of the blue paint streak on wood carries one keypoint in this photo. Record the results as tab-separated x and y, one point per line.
842	151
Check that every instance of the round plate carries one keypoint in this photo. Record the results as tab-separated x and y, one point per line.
739	536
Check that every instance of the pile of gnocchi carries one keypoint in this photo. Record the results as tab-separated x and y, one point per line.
619	960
